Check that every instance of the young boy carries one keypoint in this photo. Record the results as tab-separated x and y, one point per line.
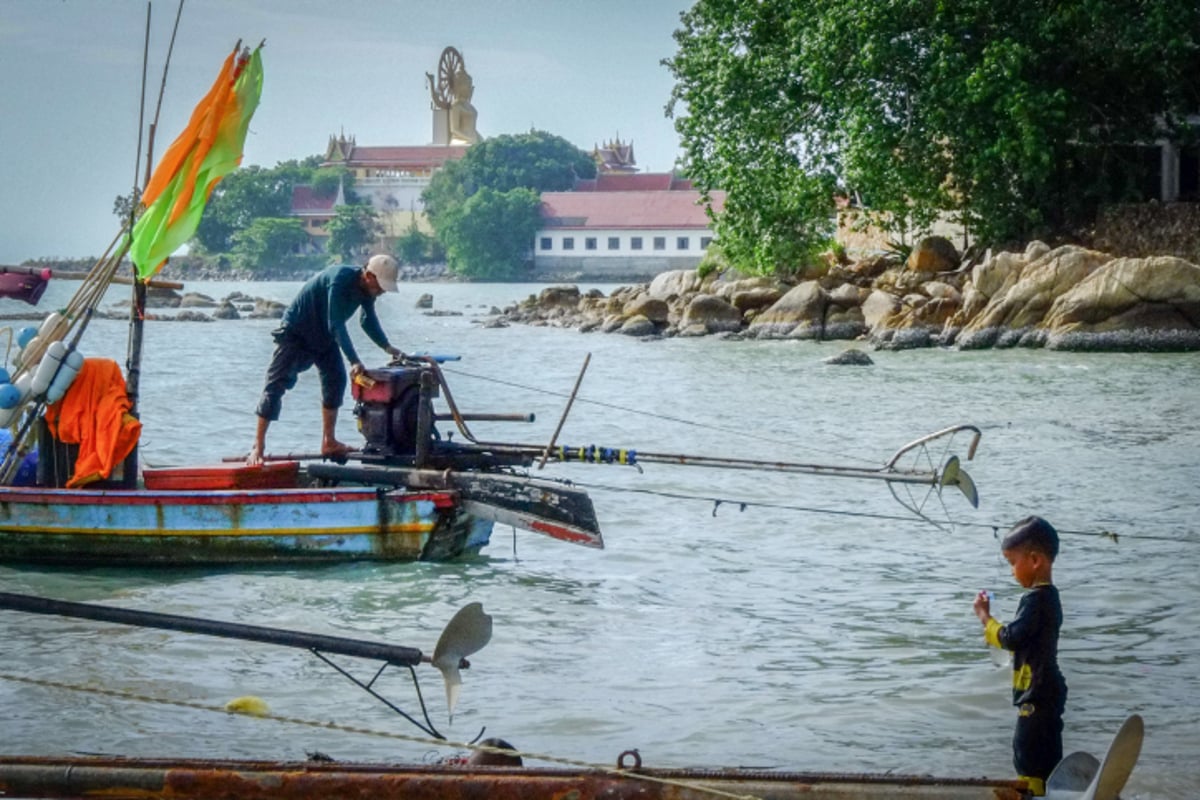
1039	691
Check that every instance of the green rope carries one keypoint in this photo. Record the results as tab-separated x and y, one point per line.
334	726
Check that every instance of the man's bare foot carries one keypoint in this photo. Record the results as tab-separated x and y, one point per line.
335	450
255	459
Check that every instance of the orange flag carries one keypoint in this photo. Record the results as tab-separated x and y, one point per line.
208	149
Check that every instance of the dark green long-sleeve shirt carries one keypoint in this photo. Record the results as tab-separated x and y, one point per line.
318	314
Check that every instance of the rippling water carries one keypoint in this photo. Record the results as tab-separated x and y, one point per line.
781	635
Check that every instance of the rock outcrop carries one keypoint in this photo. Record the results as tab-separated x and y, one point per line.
1063	298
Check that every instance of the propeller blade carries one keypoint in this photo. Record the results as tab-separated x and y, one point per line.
966	485
467	632
954	475
950	472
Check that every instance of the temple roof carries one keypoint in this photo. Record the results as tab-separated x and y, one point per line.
305	200
353	155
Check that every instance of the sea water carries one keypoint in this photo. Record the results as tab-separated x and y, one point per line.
733	619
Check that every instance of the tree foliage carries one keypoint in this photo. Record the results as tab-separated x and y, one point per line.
352	230
489	236
484	208
1018	117
247	194
415	246
268	242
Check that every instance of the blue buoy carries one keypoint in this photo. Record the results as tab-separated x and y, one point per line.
25	336
10	395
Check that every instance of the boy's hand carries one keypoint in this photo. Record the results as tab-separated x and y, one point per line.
982	607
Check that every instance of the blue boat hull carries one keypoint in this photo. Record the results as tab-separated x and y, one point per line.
236	526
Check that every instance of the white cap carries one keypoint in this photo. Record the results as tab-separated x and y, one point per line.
384	268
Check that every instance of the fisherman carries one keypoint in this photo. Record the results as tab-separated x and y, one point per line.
313	332
1039	691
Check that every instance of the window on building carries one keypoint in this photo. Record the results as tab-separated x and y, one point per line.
635	243
705	241
682	242
614	243
547	243
589	243
568	243
660	243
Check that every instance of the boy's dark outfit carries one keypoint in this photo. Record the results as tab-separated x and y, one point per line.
314	333
1039	690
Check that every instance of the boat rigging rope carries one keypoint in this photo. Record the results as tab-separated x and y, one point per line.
741	432
997	529
194	705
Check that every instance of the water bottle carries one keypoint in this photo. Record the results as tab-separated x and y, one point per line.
1000	657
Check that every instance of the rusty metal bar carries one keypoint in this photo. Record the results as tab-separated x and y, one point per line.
393	654
117	779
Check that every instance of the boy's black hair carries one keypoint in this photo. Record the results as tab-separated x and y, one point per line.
1035	533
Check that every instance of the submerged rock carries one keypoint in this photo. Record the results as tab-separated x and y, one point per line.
852	357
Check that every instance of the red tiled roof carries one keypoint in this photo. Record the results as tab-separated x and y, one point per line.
613	209
417	155
303	199
636	182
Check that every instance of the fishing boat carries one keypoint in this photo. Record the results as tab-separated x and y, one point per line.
1079	776
408	493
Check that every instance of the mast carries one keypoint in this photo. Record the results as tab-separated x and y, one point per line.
137	308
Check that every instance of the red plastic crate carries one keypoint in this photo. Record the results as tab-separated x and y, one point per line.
272	475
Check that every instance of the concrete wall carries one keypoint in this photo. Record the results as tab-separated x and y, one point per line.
620	263
594	268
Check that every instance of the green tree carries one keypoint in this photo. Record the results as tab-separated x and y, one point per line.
267	242
536	160
327	180
522	164
352	230
124	205
1017	116
414	246
489	236
449	188
247	194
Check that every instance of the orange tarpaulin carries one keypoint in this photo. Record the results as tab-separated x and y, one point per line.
94	414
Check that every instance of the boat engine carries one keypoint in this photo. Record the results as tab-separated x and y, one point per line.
388	405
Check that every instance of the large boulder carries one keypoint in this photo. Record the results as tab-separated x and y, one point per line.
803	306
226	310
1130	303
1025	303
934	254
712	313
566	297
995	274
675	282
879	307
654	309
197	300
637	325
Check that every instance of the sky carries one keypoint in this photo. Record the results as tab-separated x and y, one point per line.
71	86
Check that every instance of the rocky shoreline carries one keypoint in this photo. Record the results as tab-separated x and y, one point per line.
1067	298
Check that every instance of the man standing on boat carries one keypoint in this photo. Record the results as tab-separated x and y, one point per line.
314	333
